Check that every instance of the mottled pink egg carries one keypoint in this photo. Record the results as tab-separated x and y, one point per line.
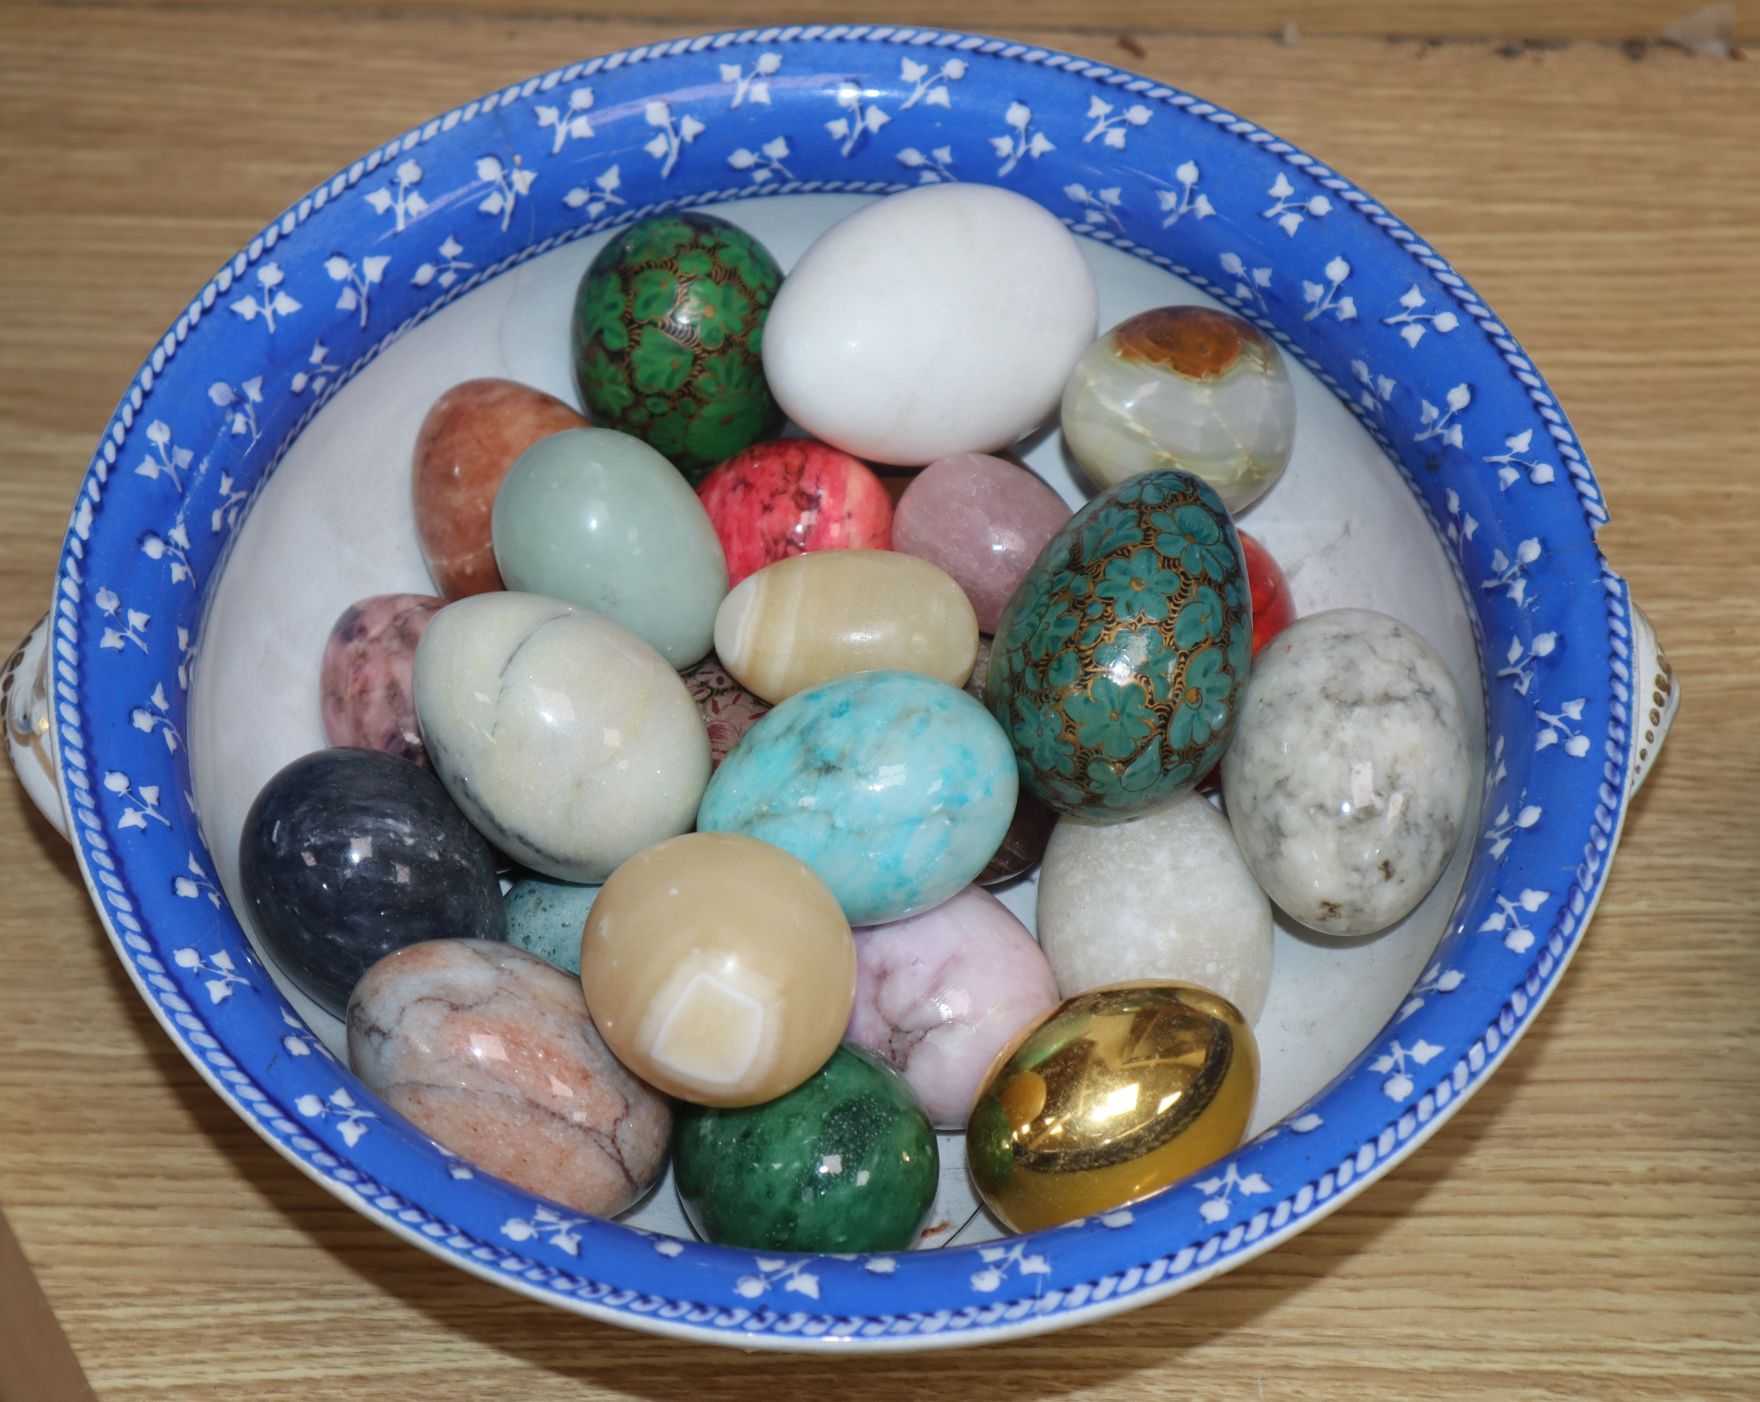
983	520
940	994
365	688
790	496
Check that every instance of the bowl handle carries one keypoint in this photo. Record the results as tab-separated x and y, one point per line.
1656	696
30	730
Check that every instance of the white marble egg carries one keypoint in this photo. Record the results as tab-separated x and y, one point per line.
568	741
1163	896
938	321
1349	773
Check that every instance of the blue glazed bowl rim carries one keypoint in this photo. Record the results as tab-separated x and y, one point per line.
311	1112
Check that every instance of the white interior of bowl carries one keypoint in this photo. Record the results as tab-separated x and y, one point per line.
334	525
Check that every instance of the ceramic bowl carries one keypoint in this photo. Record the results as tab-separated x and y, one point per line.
254	481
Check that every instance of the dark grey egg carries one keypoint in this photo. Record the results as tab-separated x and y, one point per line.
350	854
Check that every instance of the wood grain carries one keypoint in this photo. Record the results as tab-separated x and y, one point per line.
1586	1227
1506	20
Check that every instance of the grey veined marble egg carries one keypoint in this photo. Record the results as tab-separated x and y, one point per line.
1349	774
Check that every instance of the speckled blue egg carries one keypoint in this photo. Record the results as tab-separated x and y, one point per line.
894	788
545	917
1119	662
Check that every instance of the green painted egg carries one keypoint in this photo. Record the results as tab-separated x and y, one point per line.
846	1161
668	331
1120	661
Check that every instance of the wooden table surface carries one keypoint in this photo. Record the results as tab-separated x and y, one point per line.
1588	1226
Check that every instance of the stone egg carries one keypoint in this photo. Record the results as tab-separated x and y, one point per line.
668	325
349	854
894	788
845	1161
1114	1095
1350	772
597	518
567	740
546	917
1186	387
490	1050
793	496
937	321
1163	896
466	444
810	618
1274	608
1119	662
982	519
940	994
366	686
719	968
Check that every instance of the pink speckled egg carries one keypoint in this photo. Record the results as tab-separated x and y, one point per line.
366	687
790	496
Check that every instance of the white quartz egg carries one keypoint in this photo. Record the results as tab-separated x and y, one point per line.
942	320
1164	896
1349	774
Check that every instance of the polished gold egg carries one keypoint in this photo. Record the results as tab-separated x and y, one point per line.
1112	1096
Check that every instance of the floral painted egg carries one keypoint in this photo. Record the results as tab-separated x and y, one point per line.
668	329
1119	662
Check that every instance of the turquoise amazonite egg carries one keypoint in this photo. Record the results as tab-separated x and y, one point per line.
546	917
1120	661
894	788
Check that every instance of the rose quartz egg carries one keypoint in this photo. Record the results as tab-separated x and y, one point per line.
940	994
790	496
466	444
983	520
366	686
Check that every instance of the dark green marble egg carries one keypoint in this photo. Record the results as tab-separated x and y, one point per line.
846	1161
1120	661
668	330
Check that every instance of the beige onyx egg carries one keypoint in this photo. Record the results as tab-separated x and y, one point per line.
719	968
812	618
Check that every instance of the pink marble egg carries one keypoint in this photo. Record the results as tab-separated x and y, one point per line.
728	709
365	686
491	1051
791	496
940	994
983	520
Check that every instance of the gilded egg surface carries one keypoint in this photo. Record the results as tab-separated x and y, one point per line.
1116	1094
1119	663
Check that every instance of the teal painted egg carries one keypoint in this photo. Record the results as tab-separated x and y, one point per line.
1119	663
546	917
846	1161
895	788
